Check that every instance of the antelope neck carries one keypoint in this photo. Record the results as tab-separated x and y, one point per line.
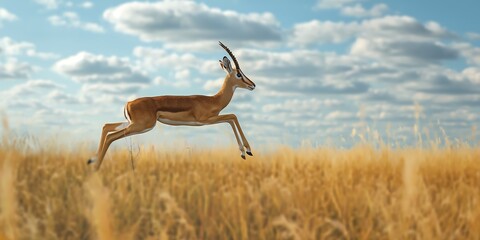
225	94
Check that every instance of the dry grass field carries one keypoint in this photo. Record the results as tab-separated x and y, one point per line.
305	193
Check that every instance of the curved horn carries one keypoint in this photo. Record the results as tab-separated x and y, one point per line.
231	54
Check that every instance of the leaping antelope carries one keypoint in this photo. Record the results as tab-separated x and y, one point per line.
196	110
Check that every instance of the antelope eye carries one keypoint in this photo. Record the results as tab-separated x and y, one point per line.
239	75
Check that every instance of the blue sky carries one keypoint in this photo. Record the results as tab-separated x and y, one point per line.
326	71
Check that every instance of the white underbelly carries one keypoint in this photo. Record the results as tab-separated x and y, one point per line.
179	123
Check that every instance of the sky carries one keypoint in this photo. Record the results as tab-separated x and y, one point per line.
327	72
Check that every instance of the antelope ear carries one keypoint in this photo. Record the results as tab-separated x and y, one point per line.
226	65
221	64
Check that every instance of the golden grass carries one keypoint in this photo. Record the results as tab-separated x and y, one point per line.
306	193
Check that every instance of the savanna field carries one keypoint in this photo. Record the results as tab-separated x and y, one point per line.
363	192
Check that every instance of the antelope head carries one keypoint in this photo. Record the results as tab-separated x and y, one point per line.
235	76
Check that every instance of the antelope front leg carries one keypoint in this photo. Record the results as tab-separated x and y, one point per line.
240	146
232	120
244	139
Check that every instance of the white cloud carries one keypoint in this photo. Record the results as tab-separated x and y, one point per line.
49	4
407	52
98	73
31	87
182	78
9	47
87	67
59	96
182	65
159	80
317	32
28	94
472	74
87	5
44	101
301	105
359	11
211	85
340	115
12	69
408	27
154	58
182	74
385	96
446	82
473	36
114	89
469	52
182	23
71	19
379	38
333	4
6	16
293	64
56	4
352	8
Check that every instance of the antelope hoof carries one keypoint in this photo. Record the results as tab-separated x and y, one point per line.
91	160
243	156
249	153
